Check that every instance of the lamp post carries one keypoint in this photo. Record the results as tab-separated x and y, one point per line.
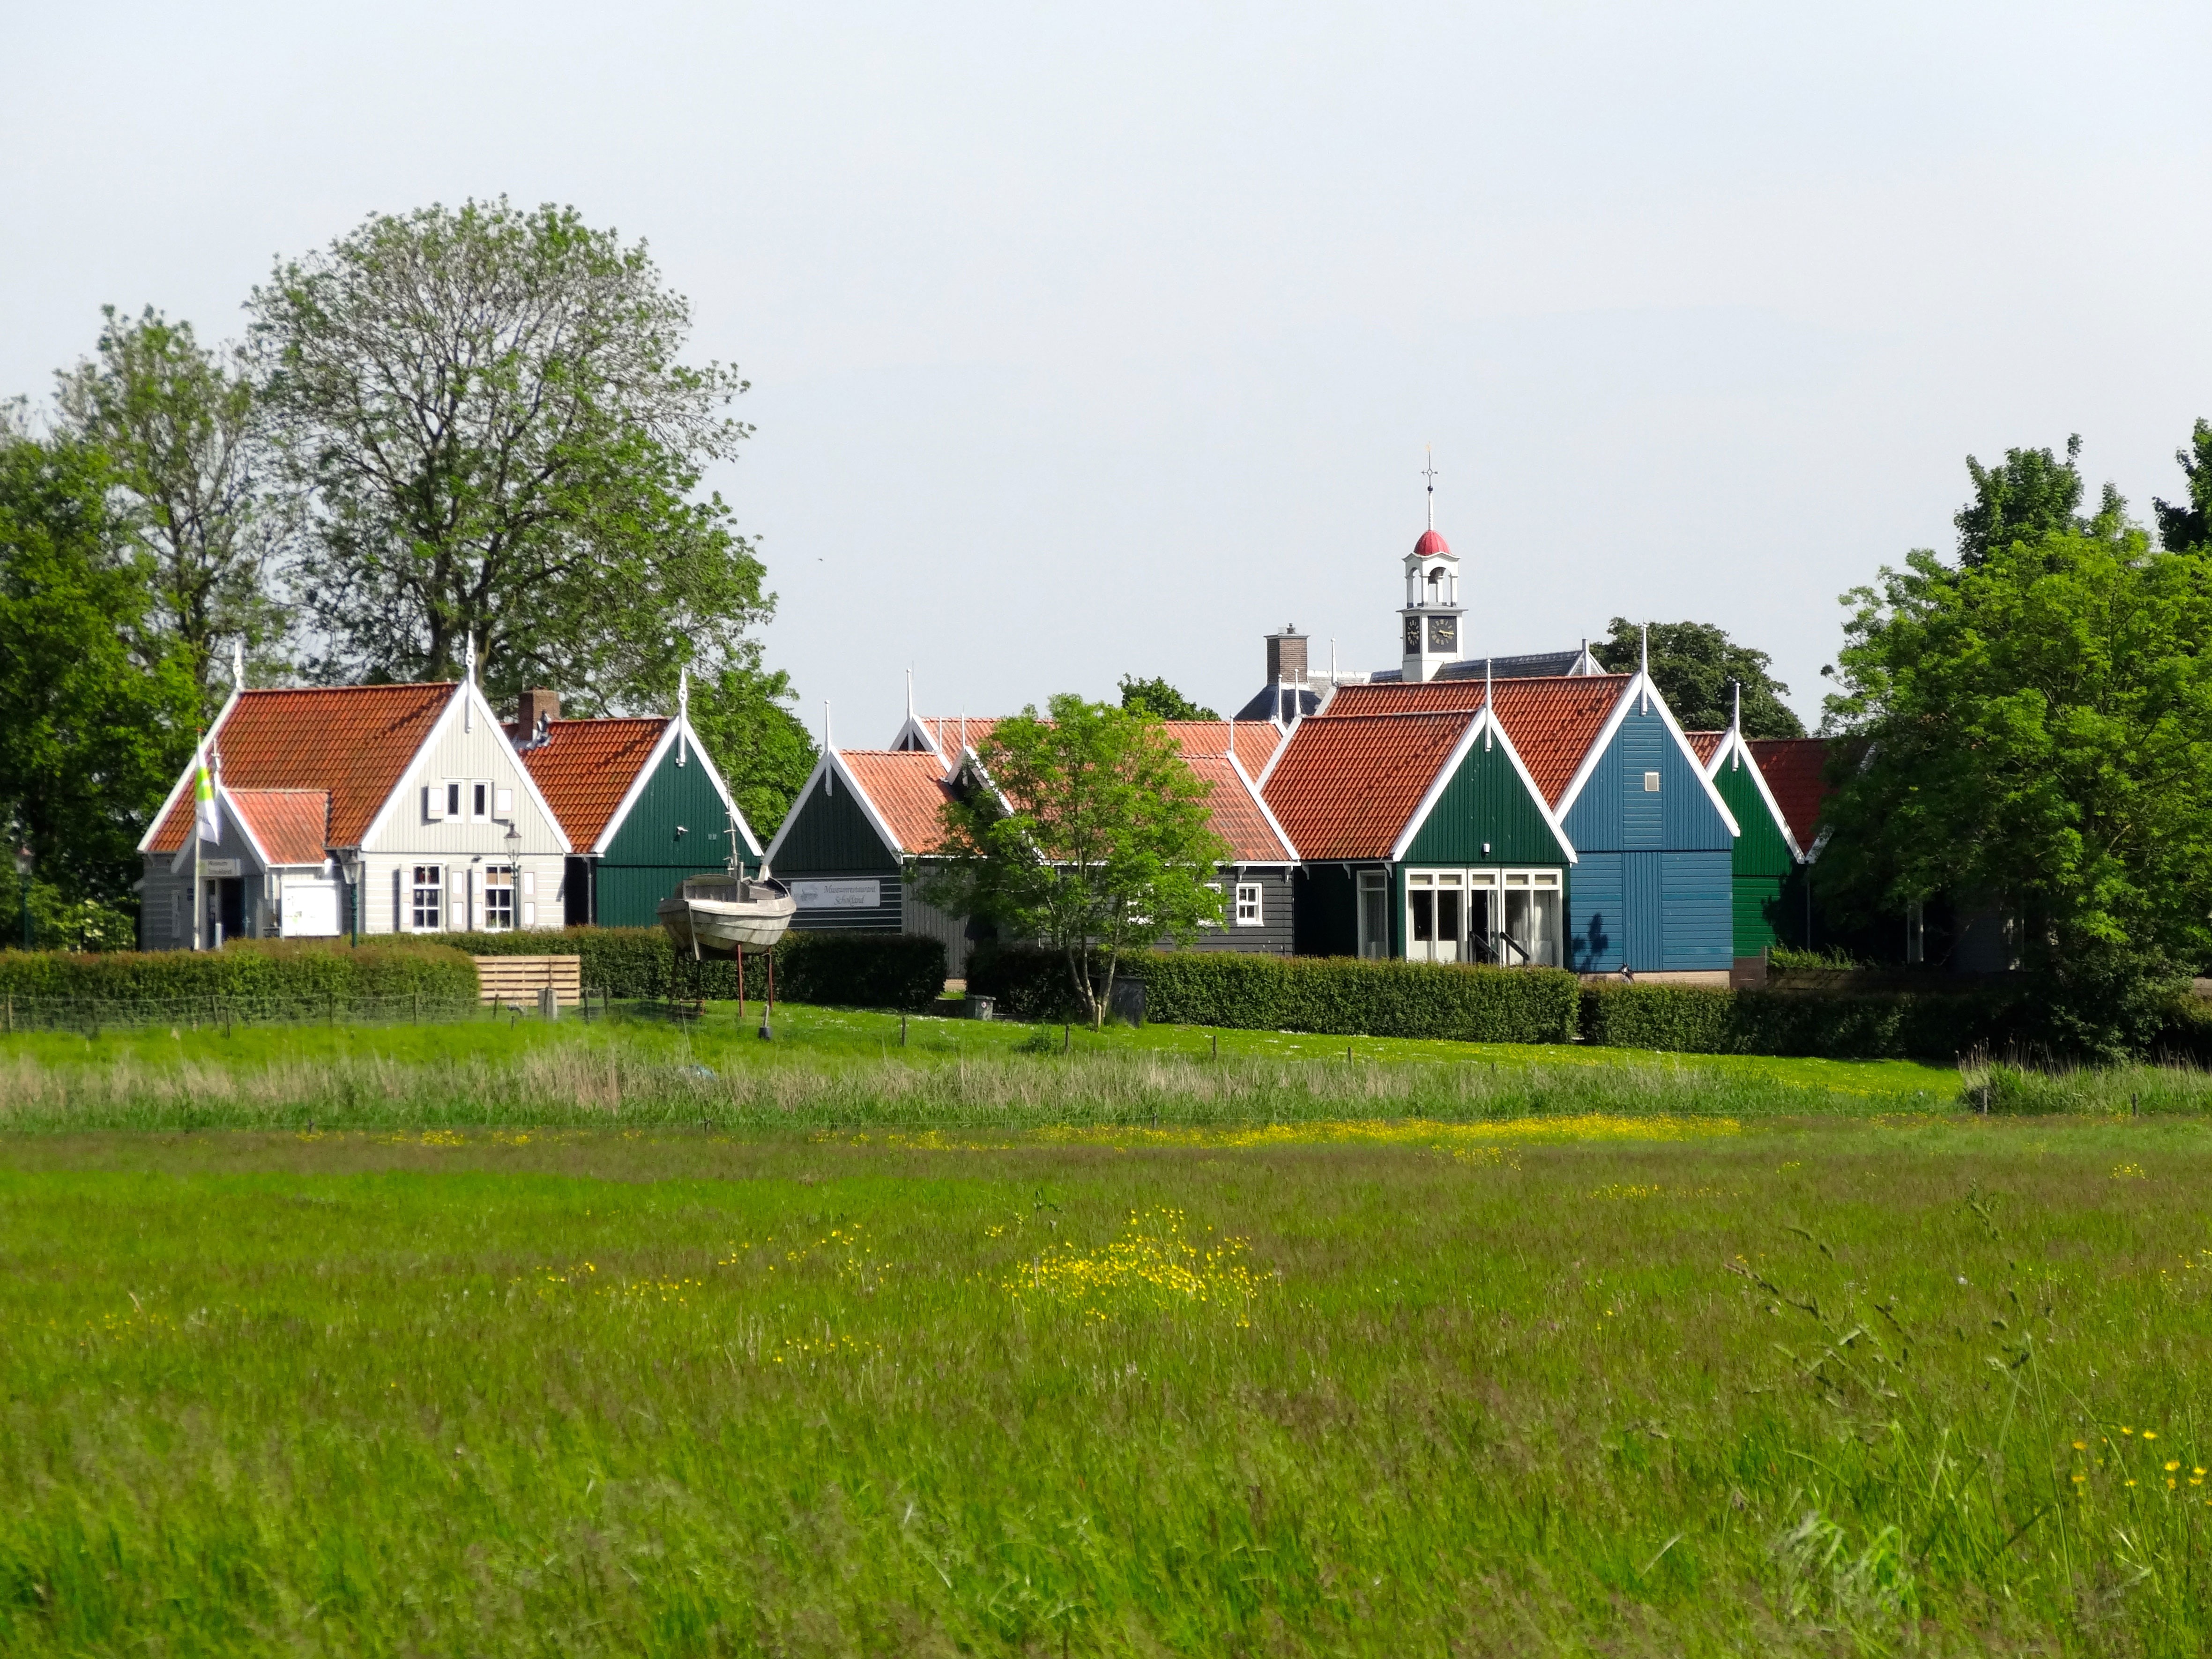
24	860
350	864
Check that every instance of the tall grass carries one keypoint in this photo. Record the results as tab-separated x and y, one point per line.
1864	1390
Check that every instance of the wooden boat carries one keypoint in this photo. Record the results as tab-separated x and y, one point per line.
728	915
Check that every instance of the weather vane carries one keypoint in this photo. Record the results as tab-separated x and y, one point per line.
1430	473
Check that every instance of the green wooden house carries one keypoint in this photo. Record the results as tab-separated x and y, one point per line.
1767	868
642	804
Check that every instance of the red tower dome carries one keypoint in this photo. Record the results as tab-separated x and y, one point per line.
1432	542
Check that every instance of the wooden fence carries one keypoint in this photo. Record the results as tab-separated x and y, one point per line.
519	979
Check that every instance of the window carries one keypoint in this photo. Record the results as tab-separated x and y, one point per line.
1248	904
1509	917
452	800
479	802
499	899
1651	783
426	902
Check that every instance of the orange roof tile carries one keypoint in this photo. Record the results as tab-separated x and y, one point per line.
1256	741
907	788
1553	722
1702	743
1795	770
1235	813
949	732
585	768
289	824
352	741
1347	784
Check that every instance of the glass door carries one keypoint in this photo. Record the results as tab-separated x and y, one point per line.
1451	916
1420	917
1374	913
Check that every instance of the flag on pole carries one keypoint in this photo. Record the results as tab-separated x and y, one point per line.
205	811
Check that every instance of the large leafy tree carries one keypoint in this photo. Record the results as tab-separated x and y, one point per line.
96	700
176	422
1697	667
1087	832
2186	527
493	434
2040	736
1157	696
2030	494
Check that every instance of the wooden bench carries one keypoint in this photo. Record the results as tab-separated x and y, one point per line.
518	980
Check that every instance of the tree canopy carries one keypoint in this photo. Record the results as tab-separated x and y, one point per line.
763	751
176	422
1696	666
2030	494
2039	729
96	700
491	434
1157	696
1086	831
2186	527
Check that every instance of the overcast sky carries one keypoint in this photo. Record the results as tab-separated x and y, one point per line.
1102	343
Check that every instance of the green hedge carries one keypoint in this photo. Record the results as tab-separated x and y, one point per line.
852	970
301	973
1689	1019
1341	995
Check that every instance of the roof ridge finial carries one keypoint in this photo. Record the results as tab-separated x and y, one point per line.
909	693
1430	473
1489	705
1735	730
1643	666
683	709
238	663
828	754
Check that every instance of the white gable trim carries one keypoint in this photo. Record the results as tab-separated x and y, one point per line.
1483	722
721	786
652	764
1734	744
832	762
1639	686
184	781
1260	801
472	695
916	726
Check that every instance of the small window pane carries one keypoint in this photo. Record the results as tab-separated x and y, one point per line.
1248	904
426	907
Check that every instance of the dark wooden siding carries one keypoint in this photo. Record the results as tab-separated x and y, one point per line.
1325	905
1486	814
829	833
1276	934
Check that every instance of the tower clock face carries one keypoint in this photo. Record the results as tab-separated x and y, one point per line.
1443	633
1413	636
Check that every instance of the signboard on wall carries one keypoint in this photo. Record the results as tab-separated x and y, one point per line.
216	869
837	895
311	908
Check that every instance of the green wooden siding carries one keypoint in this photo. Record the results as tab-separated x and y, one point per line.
830	832
647	859
1486	801
1760	865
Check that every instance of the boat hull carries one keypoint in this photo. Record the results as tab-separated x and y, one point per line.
714	927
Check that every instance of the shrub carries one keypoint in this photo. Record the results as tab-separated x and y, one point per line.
856	969
1340	995
1688	1019
275	975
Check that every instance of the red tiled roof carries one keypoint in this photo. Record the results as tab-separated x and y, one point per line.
585	768
1256	741
288	824
1347	784
1235	813
907	787
1703	744
949	732
1795	770
1553	722
353	741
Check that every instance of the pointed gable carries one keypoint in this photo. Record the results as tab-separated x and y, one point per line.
289	826
1346	785
352	742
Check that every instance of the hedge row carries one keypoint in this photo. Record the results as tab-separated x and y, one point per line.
1340	995
852	970
1690	1019
300	973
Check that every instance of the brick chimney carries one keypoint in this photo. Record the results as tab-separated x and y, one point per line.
533	705
1286	656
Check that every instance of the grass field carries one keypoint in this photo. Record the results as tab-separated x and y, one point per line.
1592	1354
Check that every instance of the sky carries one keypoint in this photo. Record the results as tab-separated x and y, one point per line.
1092	342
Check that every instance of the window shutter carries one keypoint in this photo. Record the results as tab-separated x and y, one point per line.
504	804
433	802
528	884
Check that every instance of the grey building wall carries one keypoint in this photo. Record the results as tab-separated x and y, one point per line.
1273	935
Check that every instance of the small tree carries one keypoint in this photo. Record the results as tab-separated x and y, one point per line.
1087	832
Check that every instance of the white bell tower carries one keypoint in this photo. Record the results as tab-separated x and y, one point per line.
1431	631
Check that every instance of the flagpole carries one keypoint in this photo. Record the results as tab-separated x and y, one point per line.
199	887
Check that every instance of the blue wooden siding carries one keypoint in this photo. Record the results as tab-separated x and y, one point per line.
1652	890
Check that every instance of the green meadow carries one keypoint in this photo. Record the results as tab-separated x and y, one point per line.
630	1338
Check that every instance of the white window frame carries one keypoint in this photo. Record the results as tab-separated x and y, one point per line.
495	889
456	793
480	800
1257	918
428	878
1371	897
1491	884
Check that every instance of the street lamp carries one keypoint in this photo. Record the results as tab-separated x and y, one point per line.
24	860
350	862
